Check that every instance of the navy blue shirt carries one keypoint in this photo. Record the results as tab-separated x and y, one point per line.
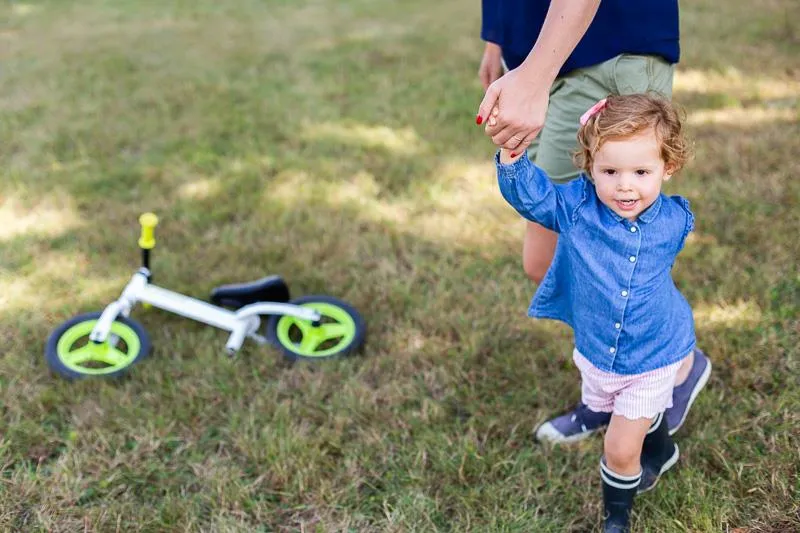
610	278
645	27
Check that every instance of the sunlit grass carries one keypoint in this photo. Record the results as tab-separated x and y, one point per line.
47	219
21	9
456	207
738	314
403	142
740	84
738	117
57	281
199	189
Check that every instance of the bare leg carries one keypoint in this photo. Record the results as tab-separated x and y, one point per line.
685	368
538	250
623	444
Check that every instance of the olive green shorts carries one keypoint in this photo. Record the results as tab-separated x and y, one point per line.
575	92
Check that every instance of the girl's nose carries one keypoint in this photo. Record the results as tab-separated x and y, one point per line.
625	183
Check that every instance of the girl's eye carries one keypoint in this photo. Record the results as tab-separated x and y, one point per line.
610	171
641	172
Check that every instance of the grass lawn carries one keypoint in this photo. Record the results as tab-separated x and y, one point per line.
333	142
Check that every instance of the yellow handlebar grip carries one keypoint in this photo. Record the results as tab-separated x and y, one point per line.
149	221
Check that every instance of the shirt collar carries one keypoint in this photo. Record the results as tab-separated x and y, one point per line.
649	214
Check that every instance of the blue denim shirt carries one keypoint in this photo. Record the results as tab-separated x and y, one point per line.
610	278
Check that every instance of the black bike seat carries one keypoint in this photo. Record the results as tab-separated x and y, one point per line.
237	295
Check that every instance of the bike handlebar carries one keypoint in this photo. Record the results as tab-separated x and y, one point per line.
147	240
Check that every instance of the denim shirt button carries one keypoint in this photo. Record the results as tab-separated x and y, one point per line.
633	229
632	258
612	349
624	293
617	325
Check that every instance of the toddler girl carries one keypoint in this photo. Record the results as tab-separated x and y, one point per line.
610	279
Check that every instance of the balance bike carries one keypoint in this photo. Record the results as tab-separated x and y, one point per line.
108	343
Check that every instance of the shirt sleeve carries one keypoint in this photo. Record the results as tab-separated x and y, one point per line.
491	27
529	190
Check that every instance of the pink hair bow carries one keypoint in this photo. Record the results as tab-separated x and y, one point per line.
596	108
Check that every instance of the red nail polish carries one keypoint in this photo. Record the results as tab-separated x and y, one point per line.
478	120
513	154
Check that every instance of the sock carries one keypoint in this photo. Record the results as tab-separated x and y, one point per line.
618	493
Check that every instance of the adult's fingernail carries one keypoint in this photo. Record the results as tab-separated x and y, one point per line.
513	154
478	120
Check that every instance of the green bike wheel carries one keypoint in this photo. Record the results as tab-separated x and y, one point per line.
341	330
70	354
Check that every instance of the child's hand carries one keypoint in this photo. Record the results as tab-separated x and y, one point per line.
506	156
492	120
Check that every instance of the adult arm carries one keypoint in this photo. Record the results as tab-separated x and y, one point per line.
522	95
491	67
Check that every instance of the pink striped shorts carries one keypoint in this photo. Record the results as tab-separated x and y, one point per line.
632	396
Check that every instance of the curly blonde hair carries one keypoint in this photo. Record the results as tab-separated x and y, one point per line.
627	115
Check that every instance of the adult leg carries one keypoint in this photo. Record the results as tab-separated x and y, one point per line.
538	249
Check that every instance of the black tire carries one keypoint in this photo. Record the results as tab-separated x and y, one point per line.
60	367
347	344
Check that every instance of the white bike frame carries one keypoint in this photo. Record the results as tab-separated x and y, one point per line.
242	323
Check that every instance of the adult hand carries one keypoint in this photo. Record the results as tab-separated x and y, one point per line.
491	65
521	104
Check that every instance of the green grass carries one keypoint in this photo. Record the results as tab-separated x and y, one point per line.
334	143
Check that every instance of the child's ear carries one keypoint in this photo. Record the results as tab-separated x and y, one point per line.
669	170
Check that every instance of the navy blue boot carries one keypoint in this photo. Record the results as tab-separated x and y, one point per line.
659	453
618	494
